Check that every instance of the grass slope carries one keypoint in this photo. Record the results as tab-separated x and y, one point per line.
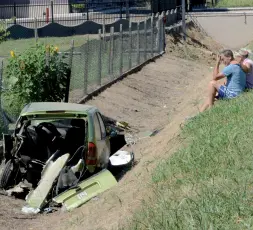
208	184
235	3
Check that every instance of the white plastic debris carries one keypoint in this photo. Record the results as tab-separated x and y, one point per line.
121	158
29	210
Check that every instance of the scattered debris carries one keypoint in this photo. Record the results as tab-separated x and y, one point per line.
37	199
30	210
86	190
121	158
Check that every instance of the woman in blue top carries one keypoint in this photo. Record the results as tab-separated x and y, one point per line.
236	79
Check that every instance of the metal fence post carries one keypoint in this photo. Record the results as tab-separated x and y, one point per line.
5	122
145	40
87	10
163	32
183	20
121	50
152	35
159	34
36	30
138	43
104	27
127	10
15	12
99	79
111	51
69	72
52	11
86	67
121	6
130	46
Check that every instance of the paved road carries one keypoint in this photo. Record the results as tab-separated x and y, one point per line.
232	29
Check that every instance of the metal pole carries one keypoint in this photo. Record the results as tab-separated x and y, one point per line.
121	51
130	45
152	35
159	35
5	122
15	12
99	79
104	27
145	40
127	10
86	67
36	30
111	51
52	11
183	19
121	9
138	43
69	72
87	10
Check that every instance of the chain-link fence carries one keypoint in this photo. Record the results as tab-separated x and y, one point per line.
110	54
97	60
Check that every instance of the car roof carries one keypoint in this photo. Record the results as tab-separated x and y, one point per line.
56	106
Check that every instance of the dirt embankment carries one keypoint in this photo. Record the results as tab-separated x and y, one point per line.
161	95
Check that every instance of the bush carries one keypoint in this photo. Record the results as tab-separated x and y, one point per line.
3	32
39	74
78	6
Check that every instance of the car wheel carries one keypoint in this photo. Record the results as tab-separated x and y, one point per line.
8	174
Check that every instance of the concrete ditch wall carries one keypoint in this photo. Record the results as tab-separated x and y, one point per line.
232	30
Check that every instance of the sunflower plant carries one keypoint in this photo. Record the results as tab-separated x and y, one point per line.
39	74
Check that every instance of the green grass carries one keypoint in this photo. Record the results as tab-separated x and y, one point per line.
21	45
235	3
208	183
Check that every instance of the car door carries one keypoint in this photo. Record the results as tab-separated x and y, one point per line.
102	142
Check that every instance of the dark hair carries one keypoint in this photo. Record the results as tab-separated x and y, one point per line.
228	53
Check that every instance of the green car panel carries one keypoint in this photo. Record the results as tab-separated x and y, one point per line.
86	190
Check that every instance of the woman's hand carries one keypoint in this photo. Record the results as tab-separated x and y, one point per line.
218	61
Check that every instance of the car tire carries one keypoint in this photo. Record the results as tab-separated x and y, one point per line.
8	174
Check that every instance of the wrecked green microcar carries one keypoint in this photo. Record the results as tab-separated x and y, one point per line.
59	153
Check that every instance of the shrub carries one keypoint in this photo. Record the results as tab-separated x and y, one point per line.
3	32
39	74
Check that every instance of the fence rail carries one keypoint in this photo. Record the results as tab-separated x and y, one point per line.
74	13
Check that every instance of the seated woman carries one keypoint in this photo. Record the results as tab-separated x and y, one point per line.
235	84
247	65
